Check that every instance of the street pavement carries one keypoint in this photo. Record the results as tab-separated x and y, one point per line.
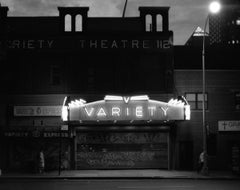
120	184
122	174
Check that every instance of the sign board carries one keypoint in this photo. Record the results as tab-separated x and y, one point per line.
64	127
37	134
229	125
118	108
37	111
101	42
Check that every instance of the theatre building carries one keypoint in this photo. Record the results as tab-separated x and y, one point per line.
122	68
95	93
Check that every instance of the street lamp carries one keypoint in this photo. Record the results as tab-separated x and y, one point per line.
214	8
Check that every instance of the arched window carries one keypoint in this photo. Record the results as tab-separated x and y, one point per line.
68	23
148	22
79	23
159	23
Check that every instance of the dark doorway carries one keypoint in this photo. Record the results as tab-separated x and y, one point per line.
186	155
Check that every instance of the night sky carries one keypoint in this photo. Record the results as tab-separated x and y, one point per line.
185	15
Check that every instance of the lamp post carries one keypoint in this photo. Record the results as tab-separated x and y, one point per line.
214	8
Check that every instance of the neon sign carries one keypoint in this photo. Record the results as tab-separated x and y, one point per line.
118	108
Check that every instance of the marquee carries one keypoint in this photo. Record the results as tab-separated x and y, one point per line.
125	108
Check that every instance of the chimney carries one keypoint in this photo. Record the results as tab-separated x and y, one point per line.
3	19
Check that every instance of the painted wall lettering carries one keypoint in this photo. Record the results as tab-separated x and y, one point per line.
30	44
123	44
73	43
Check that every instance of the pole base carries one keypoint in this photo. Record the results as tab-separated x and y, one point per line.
205	171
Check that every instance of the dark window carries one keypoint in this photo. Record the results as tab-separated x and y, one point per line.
237	100
195	100
55	75
91	79
212	144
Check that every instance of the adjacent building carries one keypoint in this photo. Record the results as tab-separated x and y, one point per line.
224	28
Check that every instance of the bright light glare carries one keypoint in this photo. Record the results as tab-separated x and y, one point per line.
214	7
64	113
187	112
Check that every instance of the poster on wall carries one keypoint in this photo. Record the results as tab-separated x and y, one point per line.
122	150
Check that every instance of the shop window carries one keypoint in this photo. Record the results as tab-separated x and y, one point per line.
55	75
195	100
237	100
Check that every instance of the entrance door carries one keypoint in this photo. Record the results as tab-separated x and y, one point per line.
186	155
109	150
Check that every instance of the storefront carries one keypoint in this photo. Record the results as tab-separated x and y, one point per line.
23	147
228	137
32	127
124	132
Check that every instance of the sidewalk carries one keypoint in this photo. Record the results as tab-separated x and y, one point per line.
123	174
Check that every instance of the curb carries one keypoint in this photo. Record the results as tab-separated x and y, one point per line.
112	178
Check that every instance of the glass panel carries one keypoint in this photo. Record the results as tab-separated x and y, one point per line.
148	26
67	23
192	105
159	23
191	97
199	105
200	97
79	23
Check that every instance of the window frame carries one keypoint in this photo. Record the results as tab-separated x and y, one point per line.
196	102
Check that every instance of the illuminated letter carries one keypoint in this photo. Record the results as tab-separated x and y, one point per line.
126	99
89	113
127	111
152	110
164	111
116	111
139	111
101	112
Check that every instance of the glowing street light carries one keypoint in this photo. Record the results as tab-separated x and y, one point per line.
214	8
